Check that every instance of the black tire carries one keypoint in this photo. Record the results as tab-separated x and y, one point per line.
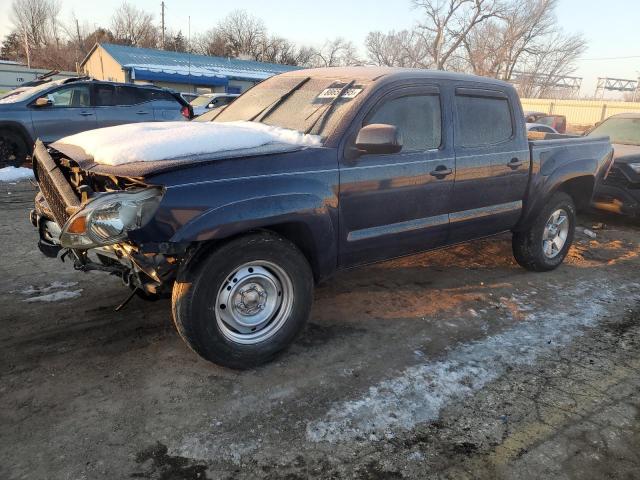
528	245
195	300
13	149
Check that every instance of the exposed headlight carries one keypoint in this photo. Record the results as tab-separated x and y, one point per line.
635	167
108	218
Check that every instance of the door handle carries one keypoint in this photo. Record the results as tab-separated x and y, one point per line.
441	171
514	163
142	112
86	114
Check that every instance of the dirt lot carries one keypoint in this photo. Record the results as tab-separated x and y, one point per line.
453	364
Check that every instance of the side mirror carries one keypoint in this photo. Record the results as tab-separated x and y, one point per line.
379	138
43	102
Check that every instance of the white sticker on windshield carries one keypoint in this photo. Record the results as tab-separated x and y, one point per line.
334	92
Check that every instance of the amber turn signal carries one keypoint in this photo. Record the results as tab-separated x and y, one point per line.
78	225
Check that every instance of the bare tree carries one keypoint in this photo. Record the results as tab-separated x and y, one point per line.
37	20
447	23
241	35
337	52
501	39
526	42
396	49
133	26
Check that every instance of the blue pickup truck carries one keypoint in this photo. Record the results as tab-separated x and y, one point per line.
392	162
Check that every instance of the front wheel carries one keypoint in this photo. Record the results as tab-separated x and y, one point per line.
545	245
245	302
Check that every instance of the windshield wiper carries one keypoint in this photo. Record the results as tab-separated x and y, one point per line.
258	117
328	107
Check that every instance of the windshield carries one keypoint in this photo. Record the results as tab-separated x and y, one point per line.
621	130
201	101
295	103
26	93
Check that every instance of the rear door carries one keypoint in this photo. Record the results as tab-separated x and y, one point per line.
166	106
397	204
492	163
120	104
69	112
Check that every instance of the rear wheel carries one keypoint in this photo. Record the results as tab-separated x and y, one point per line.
245	302
13	149
545	245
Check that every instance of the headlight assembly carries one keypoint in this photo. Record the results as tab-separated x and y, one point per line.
108	218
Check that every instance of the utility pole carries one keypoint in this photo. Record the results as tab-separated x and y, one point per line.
26	48
162	16
79	46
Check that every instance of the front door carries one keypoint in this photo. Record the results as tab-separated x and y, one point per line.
397	204
69	111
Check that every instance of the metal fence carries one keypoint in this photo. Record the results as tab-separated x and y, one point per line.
580	112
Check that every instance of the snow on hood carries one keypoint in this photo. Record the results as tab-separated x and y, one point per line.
153	141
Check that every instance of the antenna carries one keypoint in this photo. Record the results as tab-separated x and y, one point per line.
189	47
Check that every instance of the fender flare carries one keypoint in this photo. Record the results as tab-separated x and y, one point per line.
266	212
549	182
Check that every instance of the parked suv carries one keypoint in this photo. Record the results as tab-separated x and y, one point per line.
56	109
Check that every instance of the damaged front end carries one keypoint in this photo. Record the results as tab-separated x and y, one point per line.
88	217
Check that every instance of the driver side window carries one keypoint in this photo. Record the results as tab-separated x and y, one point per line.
72	96
417	117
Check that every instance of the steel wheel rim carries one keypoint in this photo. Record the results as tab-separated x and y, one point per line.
555	233
254	302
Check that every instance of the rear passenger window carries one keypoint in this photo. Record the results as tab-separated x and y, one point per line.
129	96
416	116
483	120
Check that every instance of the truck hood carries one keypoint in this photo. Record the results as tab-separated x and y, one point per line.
142	149
623	153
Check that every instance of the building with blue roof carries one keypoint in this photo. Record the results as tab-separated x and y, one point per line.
179	71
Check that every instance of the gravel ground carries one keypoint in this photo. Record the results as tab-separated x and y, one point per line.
452	364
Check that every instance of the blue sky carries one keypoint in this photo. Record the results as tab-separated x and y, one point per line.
611	28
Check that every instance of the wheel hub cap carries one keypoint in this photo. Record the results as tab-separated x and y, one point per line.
555	233
253	302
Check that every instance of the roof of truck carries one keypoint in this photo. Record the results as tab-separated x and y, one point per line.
392	73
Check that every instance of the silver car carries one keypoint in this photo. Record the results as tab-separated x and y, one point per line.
56	109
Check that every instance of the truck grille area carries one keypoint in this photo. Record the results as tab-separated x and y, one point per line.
54	186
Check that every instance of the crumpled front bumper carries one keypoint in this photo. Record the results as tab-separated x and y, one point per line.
48	229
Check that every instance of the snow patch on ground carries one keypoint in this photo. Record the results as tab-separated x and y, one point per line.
419	393
55	296
30	290
15	174
153	141
54	292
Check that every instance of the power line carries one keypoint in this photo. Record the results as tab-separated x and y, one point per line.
611	58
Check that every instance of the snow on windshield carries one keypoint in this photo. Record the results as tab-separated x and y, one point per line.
24	93
149	142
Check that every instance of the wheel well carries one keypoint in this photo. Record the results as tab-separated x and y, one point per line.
580	189
300	235
19	131
297	233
